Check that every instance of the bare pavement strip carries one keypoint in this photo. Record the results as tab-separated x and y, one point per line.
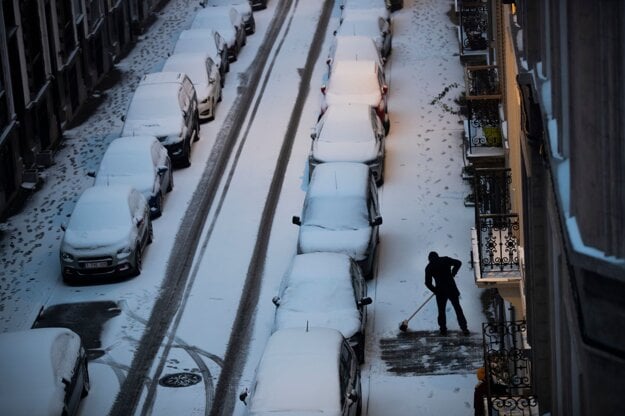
180	261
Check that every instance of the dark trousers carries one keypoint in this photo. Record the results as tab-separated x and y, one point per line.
441	301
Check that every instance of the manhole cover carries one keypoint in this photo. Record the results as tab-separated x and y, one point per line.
180	380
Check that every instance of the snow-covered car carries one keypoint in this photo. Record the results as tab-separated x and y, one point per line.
44	372
204	74
325	290
349	132
107	233
141	162
371	7
205	41
164	105
258	4
357	82
359	23
244	7
227	22
353	48
341	214
305	371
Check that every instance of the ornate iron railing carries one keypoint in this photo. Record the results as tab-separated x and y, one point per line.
482	81
473	21
492	186
508	369
498	239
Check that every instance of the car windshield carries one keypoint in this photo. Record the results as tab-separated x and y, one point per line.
336	213
128	163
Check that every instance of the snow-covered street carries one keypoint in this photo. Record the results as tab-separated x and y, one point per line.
413	373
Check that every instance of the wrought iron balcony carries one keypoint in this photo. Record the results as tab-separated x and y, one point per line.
507	361
495	249
473	27
483	125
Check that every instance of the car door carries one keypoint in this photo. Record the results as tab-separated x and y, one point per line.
349	380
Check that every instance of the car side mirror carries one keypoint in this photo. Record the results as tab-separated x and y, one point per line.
276	300
323	89
123	118
63	226
329	61
162	170
365	301
313	134
384	89
243	396
336	31
91	173
376	221
138	221
296	220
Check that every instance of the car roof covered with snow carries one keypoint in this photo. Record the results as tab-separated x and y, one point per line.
191	63
335	216
34	363
354	81
317	290
298	373
128	160
198	40
346	47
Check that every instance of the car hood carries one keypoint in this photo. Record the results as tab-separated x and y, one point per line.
345	151
166	126
353	242
346	321
96	239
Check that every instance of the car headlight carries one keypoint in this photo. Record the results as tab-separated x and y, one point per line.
66	256
205	100
124	251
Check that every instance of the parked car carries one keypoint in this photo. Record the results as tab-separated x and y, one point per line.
357	82
244	7
164	105
306	372
258	4
228	22
204	75
205	41
325	290
363	23
349	132
371	7
107	233
141	162
341	214
354	48
44	372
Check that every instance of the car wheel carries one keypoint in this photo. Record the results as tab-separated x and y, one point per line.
69	280
185	159
170	184
86	383
150	233
138	261
159	206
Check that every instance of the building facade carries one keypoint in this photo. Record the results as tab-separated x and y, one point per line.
559	66
53	56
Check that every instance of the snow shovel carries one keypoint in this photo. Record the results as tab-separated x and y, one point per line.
404	324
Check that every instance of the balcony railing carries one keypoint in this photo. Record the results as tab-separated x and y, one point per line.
473	28
508	370
496	246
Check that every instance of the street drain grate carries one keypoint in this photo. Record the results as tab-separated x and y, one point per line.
179	380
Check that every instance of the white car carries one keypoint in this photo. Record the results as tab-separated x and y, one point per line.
204	74
353	48
227	22
305	371
244	7
325	290
350	132
341	214
363	23
107	233
205	41
374	7
357	82
44	372
143	163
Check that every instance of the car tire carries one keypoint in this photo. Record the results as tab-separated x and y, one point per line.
159	206
150	234
69	280
138	261
170	184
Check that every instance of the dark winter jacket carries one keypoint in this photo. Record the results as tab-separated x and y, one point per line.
442	269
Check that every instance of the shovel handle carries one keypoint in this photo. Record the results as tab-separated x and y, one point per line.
420	307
